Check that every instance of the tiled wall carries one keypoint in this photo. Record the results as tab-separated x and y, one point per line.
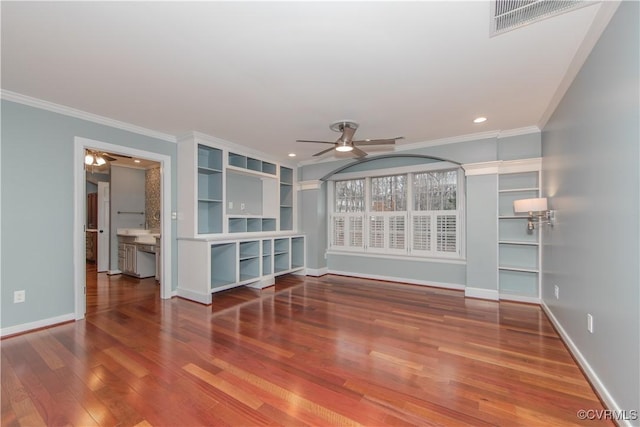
152	197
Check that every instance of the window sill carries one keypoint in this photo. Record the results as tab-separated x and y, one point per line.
408	257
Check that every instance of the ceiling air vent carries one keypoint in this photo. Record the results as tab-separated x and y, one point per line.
507	15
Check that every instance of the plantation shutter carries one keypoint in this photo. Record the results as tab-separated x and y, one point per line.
446	236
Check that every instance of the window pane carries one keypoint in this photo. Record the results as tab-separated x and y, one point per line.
435	191
349	195
389	193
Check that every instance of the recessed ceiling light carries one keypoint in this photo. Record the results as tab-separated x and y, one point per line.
292	154
480	120
136	161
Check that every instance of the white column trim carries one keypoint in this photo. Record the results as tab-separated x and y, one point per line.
490	294
309	185
482	168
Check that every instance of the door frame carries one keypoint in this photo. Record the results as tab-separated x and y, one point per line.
79	215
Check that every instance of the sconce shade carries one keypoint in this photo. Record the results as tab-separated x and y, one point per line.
530	205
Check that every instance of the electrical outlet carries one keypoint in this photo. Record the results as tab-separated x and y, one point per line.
174	215
19	296
556	291
241	206
589	323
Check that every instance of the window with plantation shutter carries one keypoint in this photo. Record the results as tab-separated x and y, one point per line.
338	231
415	214
446	233
397	232
355	231
376	232
422	233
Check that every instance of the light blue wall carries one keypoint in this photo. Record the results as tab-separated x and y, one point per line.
591	160
482	195
244	189
482	231
37	209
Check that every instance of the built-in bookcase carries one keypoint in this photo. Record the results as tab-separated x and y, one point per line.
286	198
236	216
519	248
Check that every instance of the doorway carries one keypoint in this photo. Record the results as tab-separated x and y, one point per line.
80	217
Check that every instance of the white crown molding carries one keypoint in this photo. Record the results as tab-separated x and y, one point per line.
605	12
449	140
517	132
79	114
497	134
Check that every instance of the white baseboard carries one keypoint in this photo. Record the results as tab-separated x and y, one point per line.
317	272
113	272
174	293
194	296
517	298
399	280
604	394
24	327
490	294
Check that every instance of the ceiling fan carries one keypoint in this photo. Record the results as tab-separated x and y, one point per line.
95	158
345	142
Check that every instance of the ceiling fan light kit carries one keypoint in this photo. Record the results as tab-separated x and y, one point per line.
345	142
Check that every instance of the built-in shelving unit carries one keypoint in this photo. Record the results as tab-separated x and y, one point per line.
519	248
236	216
286	198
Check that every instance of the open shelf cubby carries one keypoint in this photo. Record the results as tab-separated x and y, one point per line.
249	269
267	256
250	249
251	225
297	252
249	163
209	217
281	255
223	264
209	158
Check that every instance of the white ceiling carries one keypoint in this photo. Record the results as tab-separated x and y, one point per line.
264	74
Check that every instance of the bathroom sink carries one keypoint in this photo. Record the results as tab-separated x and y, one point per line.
146	239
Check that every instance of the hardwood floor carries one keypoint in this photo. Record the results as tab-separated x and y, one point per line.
326	351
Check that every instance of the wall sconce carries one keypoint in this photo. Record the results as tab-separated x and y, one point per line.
537	210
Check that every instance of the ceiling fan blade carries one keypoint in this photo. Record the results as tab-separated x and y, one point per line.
324	151
375	142
319	142
108	157
358	152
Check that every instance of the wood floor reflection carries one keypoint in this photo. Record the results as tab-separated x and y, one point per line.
309	351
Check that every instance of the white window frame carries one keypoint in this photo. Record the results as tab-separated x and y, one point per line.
368	214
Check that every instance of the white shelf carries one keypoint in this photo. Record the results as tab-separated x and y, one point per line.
516	190
512	242
513	217
521	269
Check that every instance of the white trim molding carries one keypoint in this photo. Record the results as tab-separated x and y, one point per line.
518	298
79	114
482	168
517	132
194	296
44	323
602	391
309	185
400	280
489	294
